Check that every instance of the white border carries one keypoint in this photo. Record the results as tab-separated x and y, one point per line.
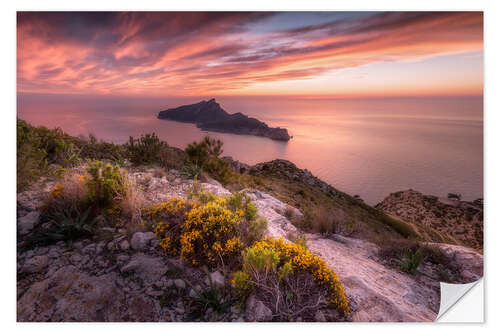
492	109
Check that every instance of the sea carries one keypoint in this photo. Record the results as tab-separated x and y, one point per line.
370	146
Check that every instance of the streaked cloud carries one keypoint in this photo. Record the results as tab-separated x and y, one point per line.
208	53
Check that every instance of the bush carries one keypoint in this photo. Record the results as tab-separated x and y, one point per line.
37	148
210	235
146	149
318	219
200	153
204	156
411	261
290	279
66	214
213	298
167	219
93	149
66	223
105	183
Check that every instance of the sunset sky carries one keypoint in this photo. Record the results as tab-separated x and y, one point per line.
345	54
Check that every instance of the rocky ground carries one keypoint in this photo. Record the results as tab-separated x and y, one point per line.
460	219
124	276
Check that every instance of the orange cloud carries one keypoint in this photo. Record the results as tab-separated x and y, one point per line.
223	53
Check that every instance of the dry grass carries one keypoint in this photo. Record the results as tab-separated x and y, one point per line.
71	189
132	202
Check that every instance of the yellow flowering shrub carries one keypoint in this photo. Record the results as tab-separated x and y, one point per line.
211	235
270	259
167	219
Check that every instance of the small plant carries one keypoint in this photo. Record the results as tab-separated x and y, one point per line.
105	183
68	223
212	297
197	193
192	171
411	261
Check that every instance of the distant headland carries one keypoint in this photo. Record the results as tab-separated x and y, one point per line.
209	116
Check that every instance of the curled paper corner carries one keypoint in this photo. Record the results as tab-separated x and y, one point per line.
461	302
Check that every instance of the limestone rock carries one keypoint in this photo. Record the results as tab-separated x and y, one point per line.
26	223
257	311
70	295
217	279
140	240
149	269
35	264
180	284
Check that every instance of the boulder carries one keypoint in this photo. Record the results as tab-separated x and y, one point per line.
257	311
217	279
26	223
148	269
35	264
69	295
140	240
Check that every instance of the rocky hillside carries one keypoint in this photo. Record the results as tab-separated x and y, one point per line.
122	274
461	220
209	116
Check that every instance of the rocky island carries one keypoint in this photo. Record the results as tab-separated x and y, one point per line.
209	116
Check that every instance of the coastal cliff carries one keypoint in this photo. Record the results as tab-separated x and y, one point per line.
147	232
209	116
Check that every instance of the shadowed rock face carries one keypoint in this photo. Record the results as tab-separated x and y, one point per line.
209	116
101	280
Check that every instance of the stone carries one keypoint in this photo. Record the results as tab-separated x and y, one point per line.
124	245
75	258
35	264
257	311
193	293
148	269
180	284
89	249
217	279
320	317
54	253
100	247
70	295
122	258
78	245
140	240
26	223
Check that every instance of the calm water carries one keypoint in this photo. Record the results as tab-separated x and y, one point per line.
367	147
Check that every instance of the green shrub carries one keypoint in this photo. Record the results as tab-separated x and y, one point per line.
260	259
199	153
94	149
195	192
68	222
204	156
37	148
213	298
105	183
192	171
146	149
289	279
411	261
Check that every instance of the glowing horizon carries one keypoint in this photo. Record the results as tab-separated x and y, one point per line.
326	54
